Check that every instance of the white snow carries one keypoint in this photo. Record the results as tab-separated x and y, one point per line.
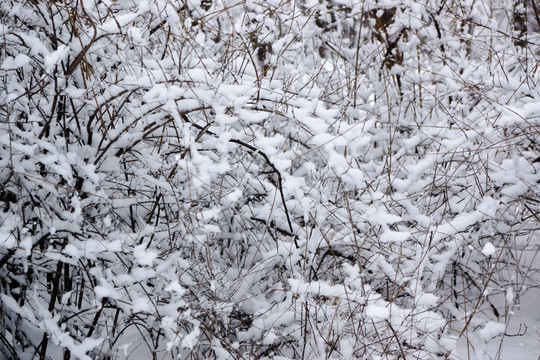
143	256
140	305
55	57
405	214
377	312
19	61
395	236
489	249
118	23
491	329
427	299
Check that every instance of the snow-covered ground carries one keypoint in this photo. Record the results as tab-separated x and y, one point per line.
522	336
524	324
526	321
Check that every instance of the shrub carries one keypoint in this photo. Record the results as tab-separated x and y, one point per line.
221	179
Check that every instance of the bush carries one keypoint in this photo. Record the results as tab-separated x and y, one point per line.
260	179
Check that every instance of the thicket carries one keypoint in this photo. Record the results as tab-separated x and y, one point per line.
262	179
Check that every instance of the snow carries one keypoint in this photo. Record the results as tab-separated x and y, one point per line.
7	240
141	305
142	273
176	287
143	256
316	288
489	249
191	339
267	179
137	35
55	57
491	329
427	299
19	61
103	292
118	23
395	236
377	312
381	217
252	117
